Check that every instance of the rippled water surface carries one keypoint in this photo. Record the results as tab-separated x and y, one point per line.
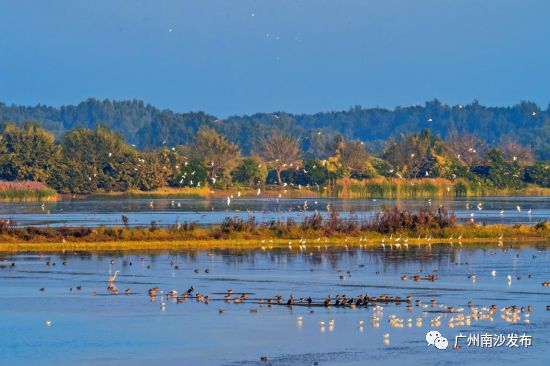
93	326
167	212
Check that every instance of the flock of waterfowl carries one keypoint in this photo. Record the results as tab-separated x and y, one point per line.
456	316
511	314
422	311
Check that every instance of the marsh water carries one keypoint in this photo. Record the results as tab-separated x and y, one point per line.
91	325
76	319
141	212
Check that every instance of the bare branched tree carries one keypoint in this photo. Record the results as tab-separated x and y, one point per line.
465	147
279	152
353	157
517	152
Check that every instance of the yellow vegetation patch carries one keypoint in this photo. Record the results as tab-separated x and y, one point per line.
310	246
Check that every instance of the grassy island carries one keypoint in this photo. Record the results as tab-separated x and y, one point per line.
391	227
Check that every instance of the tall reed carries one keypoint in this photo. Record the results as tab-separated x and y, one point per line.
409	188
26	191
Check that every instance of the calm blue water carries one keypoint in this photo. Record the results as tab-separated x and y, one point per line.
108	329
206	212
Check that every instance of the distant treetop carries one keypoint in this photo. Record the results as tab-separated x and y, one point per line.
147	127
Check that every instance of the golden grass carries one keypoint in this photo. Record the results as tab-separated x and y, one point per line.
371	240
206	192
165	192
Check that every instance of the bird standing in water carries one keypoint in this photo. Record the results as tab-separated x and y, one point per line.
113	277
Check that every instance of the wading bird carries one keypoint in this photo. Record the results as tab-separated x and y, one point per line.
113	277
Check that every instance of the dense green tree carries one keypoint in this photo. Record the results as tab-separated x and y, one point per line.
313	173
156	168
99	160
538	174
250	171
215	152
317	172
192	173
27	153
500	172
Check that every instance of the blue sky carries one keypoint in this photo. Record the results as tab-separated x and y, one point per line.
233	57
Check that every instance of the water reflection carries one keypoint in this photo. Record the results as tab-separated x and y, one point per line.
165	306
206	212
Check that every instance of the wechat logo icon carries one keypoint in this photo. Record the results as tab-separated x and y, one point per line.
434	338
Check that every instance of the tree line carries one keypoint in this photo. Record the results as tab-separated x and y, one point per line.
148	127
87	160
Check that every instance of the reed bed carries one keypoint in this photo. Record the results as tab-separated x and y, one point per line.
26	191
425	188
409	188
